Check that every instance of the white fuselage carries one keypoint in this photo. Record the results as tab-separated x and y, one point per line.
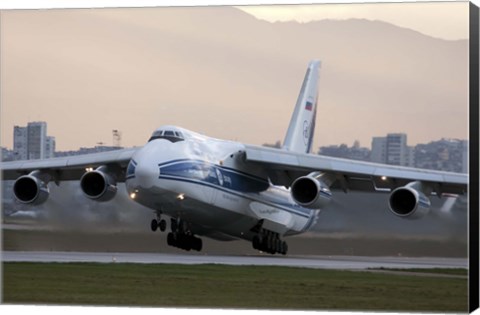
206	181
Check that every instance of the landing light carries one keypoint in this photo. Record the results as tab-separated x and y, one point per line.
181	197
89	169
384	178
133	195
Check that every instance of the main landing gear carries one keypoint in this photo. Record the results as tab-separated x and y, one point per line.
269	242
180	236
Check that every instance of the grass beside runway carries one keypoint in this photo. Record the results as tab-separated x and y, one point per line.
439	271
220	286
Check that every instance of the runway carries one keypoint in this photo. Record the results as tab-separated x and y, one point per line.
317	262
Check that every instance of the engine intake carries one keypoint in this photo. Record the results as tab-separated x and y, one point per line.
311	192
30	189
98	184
409	202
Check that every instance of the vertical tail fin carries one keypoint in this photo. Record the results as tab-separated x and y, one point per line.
300	132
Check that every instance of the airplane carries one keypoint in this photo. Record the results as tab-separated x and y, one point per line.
199	186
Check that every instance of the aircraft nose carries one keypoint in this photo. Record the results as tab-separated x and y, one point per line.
146	173
142	170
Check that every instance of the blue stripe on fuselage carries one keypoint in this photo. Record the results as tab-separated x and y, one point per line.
201	162
214	174
306	213
229	180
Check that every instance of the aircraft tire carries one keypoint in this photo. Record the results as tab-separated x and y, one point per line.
162	225
284	248
278	245
256	242
186	243
174	225
197	244
170	239
154	225
271	244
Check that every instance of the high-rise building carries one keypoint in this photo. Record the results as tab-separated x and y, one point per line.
379	150
396	148
392	150
37	139
31	142
20	145
50	147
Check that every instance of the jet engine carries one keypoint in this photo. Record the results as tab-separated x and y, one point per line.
31	189
311	191
409	201
99	184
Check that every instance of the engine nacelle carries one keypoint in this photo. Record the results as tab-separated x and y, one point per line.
409	202
98	184
30	189
311	192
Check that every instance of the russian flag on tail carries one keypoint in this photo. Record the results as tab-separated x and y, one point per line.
309	105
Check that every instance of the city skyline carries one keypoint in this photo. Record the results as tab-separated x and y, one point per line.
451	155
91	71
113	141
32	142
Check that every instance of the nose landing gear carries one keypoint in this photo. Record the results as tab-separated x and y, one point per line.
158	223
161	225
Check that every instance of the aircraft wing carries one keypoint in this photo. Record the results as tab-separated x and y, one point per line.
284	167
71	167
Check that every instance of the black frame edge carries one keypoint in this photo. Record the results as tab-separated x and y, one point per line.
473	279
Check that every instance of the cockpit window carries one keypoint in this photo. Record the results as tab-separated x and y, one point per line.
170	135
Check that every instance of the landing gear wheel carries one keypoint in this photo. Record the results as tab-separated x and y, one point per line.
256	242
184	242
269	242
278	246
162	225
173	225
154	225
171	239
284	248
197	244
270	245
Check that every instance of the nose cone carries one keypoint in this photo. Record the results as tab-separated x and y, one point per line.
146	173
143	169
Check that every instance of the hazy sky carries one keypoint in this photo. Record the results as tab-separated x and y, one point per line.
444	19
223	73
